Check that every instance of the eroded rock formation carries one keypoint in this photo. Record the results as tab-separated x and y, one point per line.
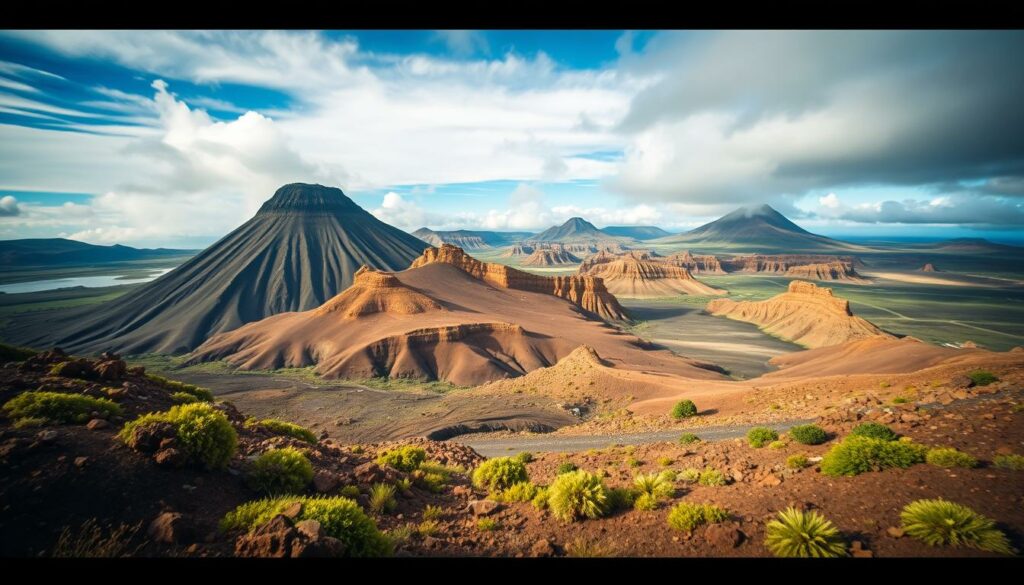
638	275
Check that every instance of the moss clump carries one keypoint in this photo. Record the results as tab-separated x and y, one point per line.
685	516
340	518
950	457
499	473
404	458
1012	462
204	432
874	431
795	533
858	454
760	436
58	407
281	471
939	522
982	377
280	427
576	495
487	524
808	434
684	409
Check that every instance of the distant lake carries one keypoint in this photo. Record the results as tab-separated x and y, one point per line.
88	281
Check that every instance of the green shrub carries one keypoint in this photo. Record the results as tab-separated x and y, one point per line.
30	422
689	475
281	471
183	398
339	517
685	516
900	400
760	436
540	500
620	499
432	512
566	467
875	431
429	528
808	434
777	445
688	438
858	454
665	461
404	485
58	407
803	534
400	534
577	494
280	427
204	432
684	409
982	378
522	491
350	491
656	485
499	473
939	522
487	524
525	457
1012	462
711	477
201	394
404	458
797	461
10	353
950	457
633	461
382	498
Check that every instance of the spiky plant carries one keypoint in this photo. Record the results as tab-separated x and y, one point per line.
577	494
796	533
382	498
657	485
939	522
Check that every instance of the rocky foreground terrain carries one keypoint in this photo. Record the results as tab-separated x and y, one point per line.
87	473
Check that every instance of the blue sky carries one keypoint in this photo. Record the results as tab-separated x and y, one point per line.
172	138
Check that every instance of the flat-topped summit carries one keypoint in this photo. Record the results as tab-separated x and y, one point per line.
308	198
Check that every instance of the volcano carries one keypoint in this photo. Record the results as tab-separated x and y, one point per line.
576	229
300	249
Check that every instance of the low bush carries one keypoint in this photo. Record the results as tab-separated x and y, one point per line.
633	462
382	498
689	475
684	409
711	477
982	377
339	517
858	454
350	491
1012	462
808	434
620	499
688	438
540	499
651	489
183	398
685	516
204	432
797	461
950	457
522	491
875	431
428	528
281	471
404	458
940	522
566	467
499	473
525	457
795	533
280	427
760	436
59	407
777	445
575	495
665	461
487	524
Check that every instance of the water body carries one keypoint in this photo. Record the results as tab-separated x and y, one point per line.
741	348
86	281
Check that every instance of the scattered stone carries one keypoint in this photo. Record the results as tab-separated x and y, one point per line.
46	436
542	548
369	472
293	511
311	529
462	491
895	532
97	424
482	507
724	535
81	461
771	480
961	382
168	528
170	458
148	437
858	551
325	481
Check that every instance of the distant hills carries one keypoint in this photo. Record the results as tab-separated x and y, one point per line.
637	232
43	252
469	239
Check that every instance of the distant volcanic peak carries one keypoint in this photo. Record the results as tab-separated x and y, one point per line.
586	292
306	198
377	292
574	228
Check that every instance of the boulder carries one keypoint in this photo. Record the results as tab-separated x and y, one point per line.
482	507
148	437
325	481
168	528
960	382
369	472
97	424
170	458
724	535
542	548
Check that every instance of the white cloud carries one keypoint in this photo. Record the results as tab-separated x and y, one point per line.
830	201
464	42
9	206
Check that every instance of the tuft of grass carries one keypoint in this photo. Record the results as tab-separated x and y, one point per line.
431	512
900	400
429	528
587	549
859	454
91	541
777	445
281	471
183	398
633	461
350	491
950	457
1013	462
285	428
651	489
939	522
665	461
686	516
688	438
499	473
577	495
795	533
540	499
340	518
525	457
689	475
487	524
711	477
400	534
620	499
808	434
404	458
798	461
566	467
204	432
59	407
982	377
382	498
522	491
760	436
875	431
684	409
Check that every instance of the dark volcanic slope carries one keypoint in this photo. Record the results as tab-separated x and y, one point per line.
300	249
756	226
62	252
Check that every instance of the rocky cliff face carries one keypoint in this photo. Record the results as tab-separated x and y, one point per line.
638	275
825	271
550	257
377	292
805	314
780	263
696	264
587	292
